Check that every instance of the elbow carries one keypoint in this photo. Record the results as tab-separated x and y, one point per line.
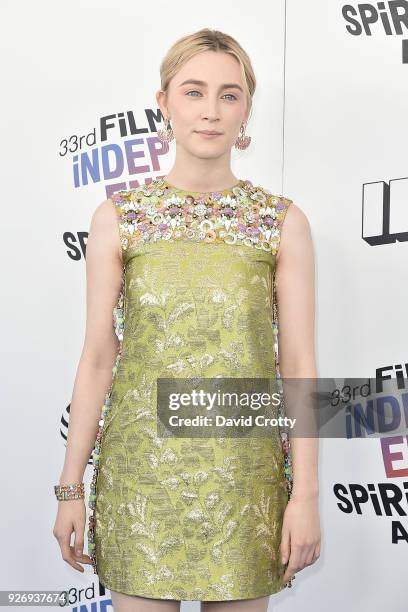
298	366
100	359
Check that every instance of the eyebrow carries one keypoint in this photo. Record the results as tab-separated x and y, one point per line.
204	84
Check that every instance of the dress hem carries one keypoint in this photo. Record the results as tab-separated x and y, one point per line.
150	596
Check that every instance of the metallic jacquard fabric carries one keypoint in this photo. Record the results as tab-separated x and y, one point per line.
190	518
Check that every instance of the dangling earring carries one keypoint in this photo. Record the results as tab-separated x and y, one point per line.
167	134
242	142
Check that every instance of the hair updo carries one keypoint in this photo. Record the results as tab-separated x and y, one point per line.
207	40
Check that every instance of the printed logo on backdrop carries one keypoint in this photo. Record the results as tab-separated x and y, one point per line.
385	212
86	598
388	414
382	18
119	146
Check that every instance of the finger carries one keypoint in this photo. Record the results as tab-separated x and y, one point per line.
83	558
67	555
285	546
294	561
310	557
305	553
291	568
289	573
79	540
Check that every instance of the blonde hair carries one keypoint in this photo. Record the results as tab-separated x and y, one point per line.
207	40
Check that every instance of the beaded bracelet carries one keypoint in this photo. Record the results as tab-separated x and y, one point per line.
69	491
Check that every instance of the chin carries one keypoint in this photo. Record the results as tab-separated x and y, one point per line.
208	149
209	154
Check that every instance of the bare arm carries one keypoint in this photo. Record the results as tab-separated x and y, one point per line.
295	288
94	373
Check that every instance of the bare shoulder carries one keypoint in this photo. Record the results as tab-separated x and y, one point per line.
296	220
295	231
103	232
105	213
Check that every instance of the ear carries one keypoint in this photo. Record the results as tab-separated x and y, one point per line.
247	115
161	98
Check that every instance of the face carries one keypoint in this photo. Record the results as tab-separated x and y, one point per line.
209	105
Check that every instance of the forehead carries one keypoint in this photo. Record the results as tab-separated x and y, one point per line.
213	67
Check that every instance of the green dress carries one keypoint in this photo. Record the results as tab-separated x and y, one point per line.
190	518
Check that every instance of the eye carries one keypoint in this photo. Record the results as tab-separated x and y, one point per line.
195	91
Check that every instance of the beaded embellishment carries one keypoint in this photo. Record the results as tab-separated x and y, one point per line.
287	453
251	216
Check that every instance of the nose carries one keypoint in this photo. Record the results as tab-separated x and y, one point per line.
211	110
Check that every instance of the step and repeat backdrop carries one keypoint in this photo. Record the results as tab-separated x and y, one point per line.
328	130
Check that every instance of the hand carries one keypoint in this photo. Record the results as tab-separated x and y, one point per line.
300	543
71	518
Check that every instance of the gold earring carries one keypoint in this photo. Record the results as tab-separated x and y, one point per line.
167	134
242	141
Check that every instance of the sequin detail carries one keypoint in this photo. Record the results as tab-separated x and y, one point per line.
246	215
284	437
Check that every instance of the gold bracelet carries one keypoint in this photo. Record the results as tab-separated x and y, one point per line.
69	491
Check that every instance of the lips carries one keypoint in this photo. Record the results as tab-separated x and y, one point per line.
209	132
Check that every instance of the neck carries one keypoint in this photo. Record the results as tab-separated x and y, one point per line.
193	173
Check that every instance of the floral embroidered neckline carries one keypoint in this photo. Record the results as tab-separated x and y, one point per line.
241	183
244	214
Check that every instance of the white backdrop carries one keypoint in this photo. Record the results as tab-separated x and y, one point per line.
329	117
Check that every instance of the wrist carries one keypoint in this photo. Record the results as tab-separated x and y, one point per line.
305	495
72	478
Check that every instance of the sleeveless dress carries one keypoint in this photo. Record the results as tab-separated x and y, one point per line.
190	518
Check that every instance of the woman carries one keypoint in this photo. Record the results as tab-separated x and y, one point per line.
193	266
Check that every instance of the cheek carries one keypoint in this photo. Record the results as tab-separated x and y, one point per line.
185	119
184	109
237	111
